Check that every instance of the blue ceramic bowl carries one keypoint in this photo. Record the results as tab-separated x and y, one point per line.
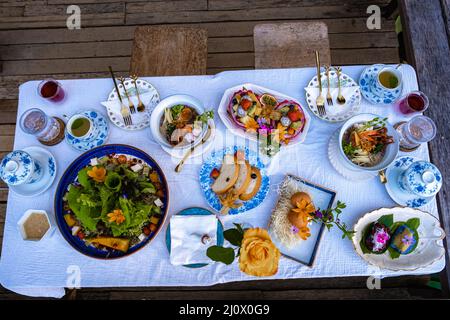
69	177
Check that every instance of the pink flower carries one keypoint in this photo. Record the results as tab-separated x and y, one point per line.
382	237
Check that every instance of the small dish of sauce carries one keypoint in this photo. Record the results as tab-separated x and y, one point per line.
34	225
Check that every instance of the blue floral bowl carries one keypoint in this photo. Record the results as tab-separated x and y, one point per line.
421	178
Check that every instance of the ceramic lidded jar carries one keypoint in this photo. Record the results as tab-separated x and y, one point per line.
421	178
18	167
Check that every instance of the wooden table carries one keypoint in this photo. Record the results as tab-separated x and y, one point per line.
426	25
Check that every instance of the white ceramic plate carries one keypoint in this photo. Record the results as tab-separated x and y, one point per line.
226	118
335	157
340	112
140	120
429	249
48	163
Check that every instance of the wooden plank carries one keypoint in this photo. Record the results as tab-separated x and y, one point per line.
6	143
2	212
245	14
165	6
86	9
243	4
11	11
215	29
8	109
3	194
429	51
364	56
7	129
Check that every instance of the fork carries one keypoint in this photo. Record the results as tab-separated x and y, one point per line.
340	97
329	97
141	106
320	101
130	104
124	111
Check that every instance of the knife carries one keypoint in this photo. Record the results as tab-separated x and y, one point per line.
115	84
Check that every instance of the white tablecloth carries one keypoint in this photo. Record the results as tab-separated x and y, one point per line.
43	269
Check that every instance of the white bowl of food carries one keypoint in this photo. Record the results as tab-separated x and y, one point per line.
175	122
368	142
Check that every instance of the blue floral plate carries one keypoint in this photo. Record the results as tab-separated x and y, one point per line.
397	194
48	163
214	160
100	125
70	175
366	83
196	212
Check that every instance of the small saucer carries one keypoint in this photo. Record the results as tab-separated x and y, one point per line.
48	162
100	125
366	81
400	196
334	155
198	151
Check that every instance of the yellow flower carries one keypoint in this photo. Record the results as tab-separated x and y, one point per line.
258	255
280	134
250	124
116	216
304	233
302	215
97	173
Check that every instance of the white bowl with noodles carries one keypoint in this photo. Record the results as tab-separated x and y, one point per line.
158	115
390	152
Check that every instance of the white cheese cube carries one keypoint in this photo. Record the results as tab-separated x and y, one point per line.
75	230
146	170
142	237
158	202
94	162
137	167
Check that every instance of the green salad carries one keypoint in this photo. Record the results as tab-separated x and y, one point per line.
115	203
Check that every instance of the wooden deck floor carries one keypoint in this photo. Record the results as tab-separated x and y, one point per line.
35	43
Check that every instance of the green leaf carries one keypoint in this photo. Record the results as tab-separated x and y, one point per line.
221	254
239	227
393	254
113	181
413	223
83	178
234	236
387	220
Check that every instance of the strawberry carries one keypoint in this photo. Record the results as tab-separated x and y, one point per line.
294	115
214	173
245	104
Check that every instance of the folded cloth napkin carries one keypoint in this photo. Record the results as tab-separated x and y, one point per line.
186	234
149	99
336	109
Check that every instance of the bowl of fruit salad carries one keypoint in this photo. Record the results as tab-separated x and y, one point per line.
256	112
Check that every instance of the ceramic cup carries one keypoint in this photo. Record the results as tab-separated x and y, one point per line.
18	167
379	89
89	134
421	178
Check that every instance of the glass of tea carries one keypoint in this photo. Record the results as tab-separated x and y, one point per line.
420	129
413	102
48	130
51	90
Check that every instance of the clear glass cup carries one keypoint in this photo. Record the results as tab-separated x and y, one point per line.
35	122
413	102
416	131
51	90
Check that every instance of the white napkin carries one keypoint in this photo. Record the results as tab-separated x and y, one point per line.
335	109
148	99
186	234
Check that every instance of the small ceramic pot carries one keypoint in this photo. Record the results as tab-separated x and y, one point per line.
421	178
18	167
379	89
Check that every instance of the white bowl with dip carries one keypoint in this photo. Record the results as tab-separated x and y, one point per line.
36	225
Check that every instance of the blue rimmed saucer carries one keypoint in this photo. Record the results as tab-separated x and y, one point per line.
367	82
196	212
101	133
397	194
48	167
214	161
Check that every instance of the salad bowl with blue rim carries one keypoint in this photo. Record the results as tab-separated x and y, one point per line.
70	176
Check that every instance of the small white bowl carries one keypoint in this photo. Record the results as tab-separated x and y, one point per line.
391	150
24	218
158	113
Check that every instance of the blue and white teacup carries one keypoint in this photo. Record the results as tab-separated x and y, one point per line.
18	167
383	91
421	178
87	136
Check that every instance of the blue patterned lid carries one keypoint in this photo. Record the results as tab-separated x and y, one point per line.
16	167
424	178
